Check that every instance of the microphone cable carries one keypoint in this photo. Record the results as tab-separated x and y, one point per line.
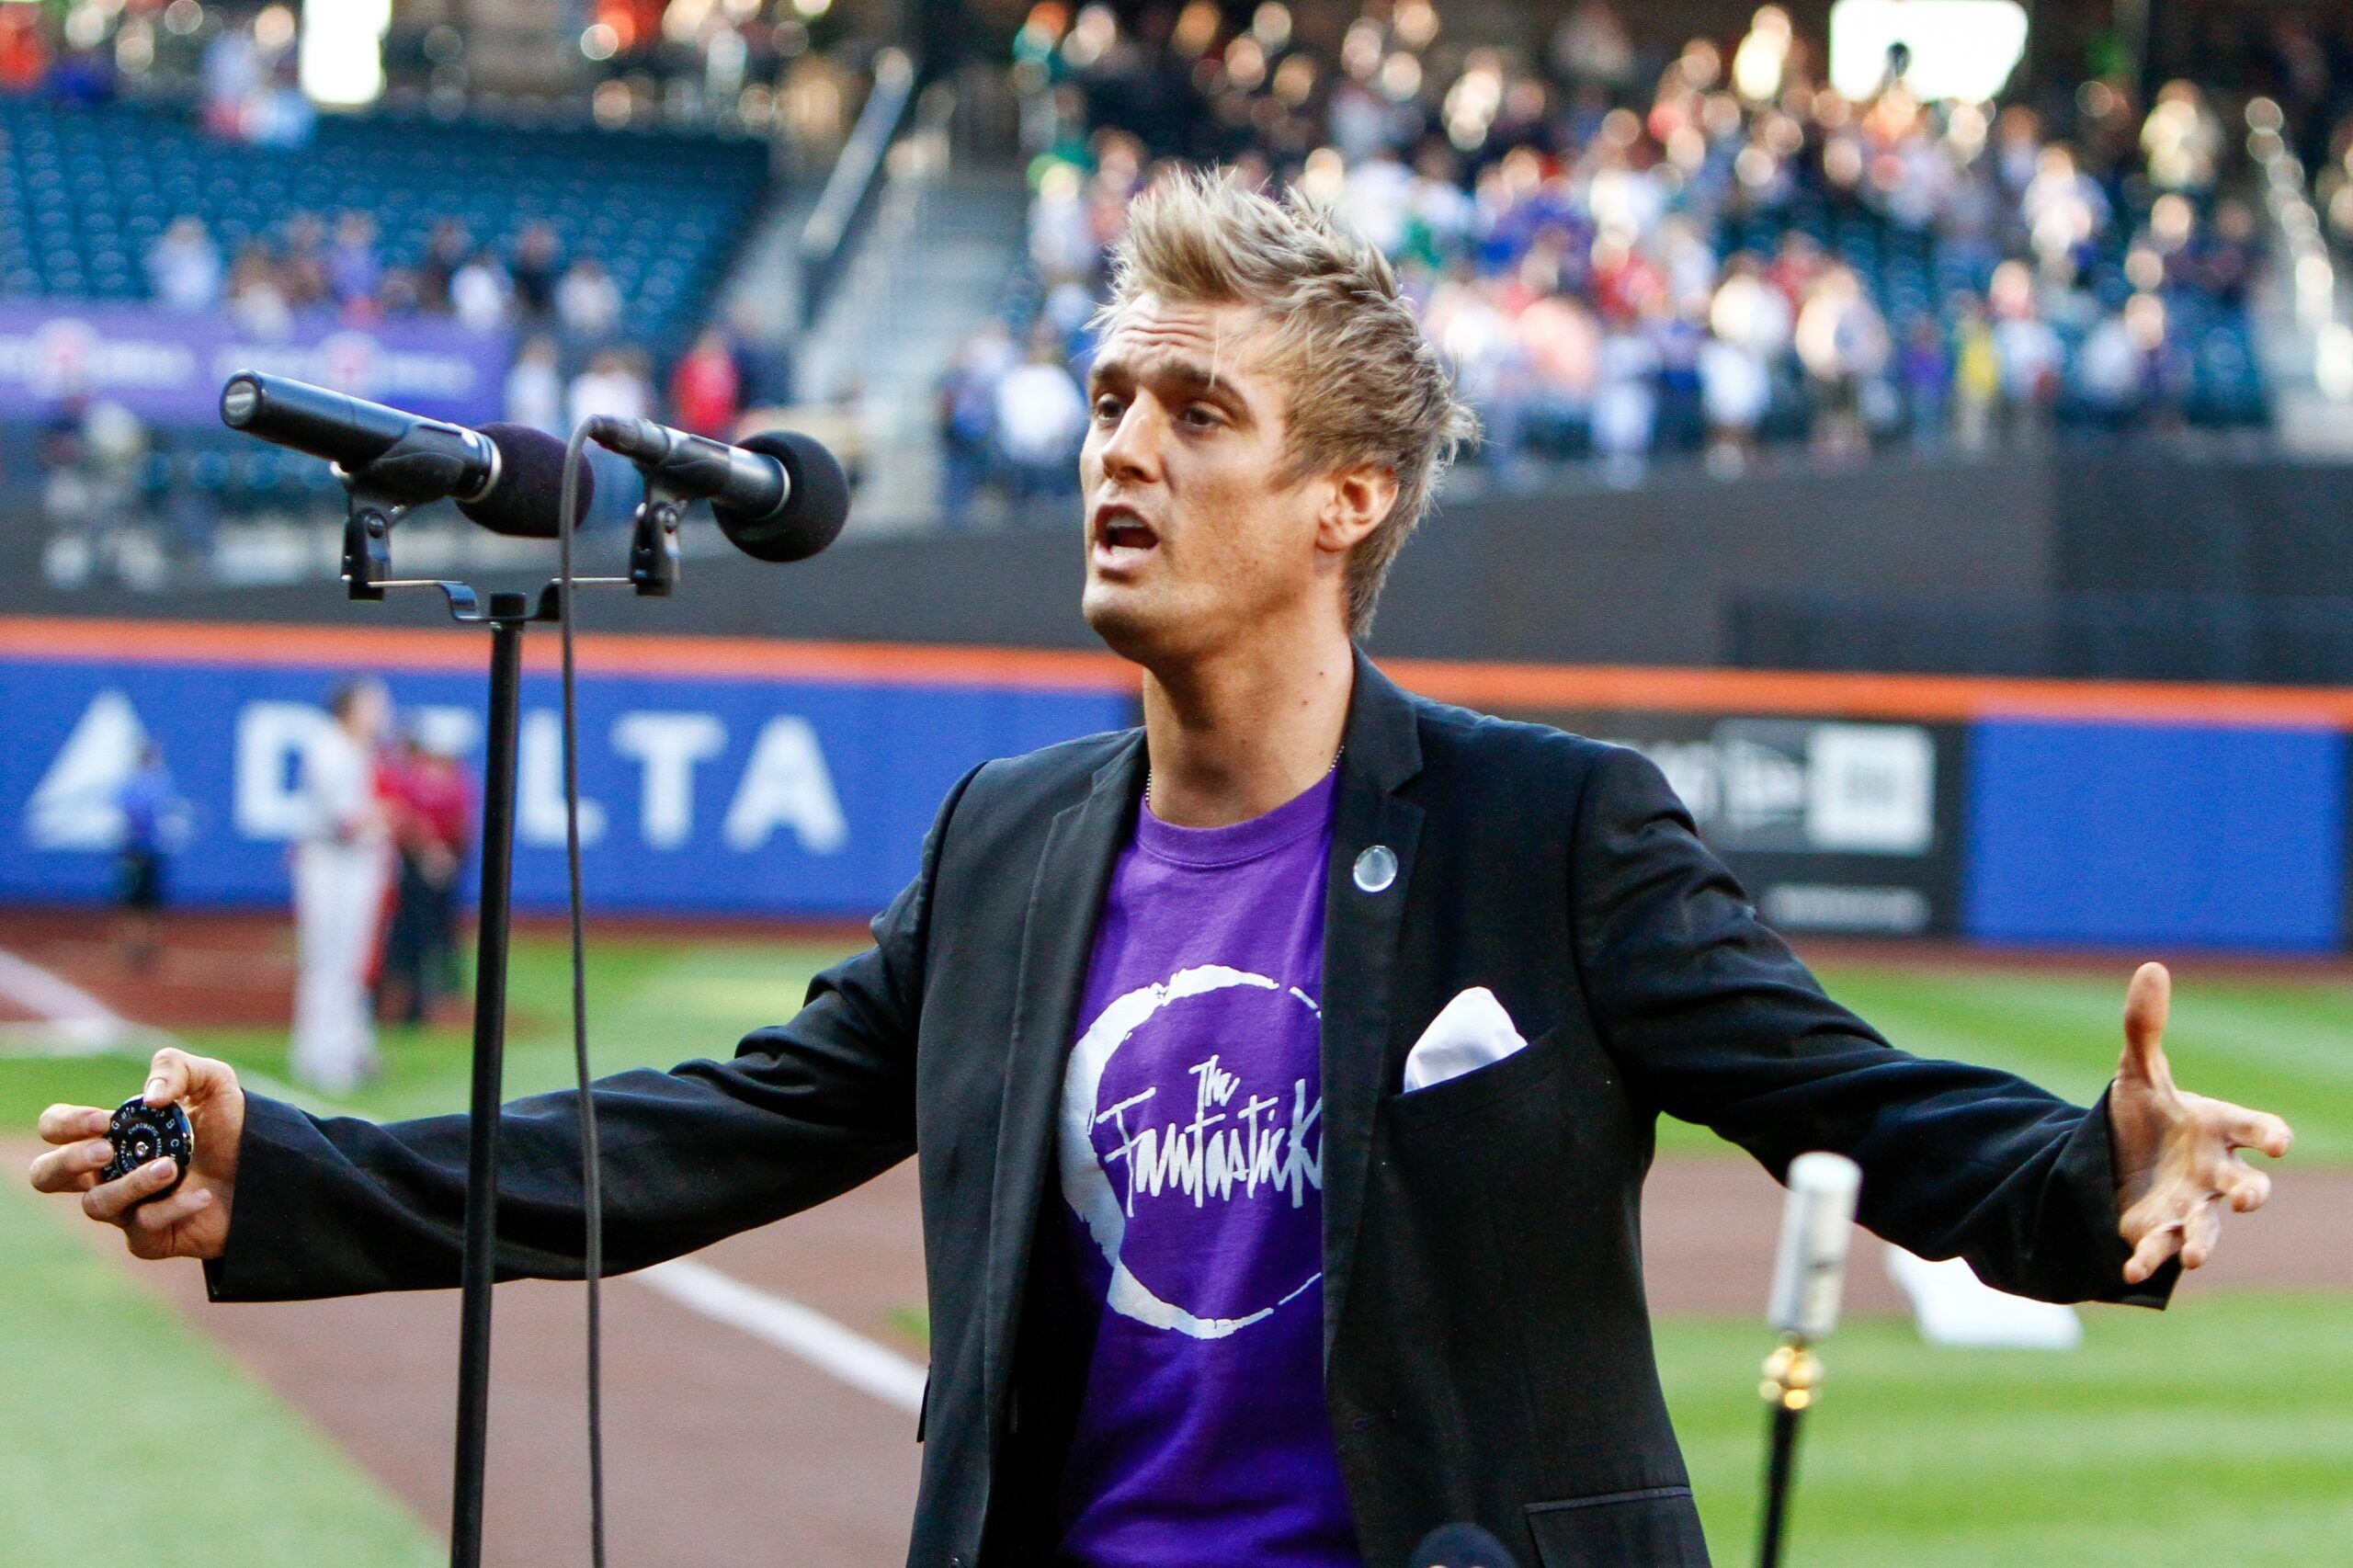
592	1187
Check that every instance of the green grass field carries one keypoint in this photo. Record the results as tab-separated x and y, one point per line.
2219	1431
2285	1044
2222	1429
112	1408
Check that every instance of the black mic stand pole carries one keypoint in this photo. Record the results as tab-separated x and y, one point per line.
375	506
1792	1374
508	616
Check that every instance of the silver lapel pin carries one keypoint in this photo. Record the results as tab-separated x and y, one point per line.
1376	868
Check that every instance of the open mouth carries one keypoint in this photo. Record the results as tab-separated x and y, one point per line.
1121	535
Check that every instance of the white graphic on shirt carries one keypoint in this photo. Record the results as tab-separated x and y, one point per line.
1216	1150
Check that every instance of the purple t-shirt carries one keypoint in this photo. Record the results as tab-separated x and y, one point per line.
1191	1146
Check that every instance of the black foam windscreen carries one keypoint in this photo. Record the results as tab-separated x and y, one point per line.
530	490
1461	1545
815	508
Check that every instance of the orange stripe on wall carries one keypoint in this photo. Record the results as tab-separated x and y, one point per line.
1631	687
1597	687
465	648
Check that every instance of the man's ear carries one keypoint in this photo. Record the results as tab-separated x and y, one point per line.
1355	499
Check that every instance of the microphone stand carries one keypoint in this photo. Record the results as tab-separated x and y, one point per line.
378	498
1793	1373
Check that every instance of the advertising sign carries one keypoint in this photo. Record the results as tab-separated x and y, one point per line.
167	367
1832	825
699	795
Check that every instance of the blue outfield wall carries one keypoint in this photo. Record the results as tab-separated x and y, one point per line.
717	796
797	781
2158	833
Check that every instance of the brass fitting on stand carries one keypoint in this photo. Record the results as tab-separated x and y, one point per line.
1793	1373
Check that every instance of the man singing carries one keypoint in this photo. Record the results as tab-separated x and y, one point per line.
1217	1277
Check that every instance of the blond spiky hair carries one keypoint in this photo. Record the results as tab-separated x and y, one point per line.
1365	385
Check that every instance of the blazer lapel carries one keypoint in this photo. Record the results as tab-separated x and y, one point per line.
1058	936
1362	917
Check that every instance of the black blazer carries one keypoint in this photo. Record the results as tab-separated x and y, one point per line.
1487	1351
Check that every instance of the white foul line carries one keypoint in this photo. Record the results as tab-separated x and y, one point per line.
817	1340
76	1022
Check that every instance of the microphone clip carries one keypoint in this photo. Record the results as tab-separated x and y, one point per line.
654	536
654	539
371	511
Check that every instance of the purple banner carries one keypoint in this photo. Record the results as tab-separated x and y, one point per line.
167	367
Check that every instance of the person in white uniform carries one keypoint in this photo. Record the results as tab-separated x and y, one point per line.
340	867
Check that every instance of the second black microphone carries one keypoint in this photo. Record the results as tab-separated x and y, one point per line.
780	496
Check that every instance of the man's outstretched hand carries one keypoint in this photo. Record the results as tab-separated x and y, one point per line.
193	1221
2177	1160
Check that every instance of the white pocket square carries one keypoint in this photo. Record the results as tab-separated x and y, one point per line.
1468	1033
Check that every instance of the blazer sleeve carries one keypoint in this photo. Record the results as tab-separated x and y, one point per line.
1714	1020
805	1110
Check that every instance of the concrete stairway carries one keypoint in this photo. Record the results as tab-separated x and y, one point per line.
930	269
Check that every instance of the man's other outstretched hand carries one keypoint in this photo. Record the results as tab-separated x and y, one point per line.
2177	1160
193	1221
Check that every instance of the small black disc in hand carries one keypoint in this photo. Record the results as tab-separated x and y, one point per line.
141	1133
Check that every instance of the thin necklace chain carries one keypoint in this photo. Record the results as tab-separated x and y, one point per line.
1327	773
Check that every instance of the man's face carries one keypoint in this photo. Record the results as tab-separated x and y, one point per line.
1194	530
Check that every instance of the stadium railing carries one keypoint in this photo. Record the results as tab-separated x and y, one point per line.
849	190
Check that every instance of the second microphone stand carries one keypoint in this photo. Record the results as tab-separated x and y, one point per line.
1793	1373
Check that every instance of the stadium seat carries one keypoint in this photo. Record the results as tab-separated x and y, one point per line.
84	193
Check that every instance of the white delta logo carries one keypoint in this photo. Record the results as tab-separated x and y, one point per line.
785	784
77	806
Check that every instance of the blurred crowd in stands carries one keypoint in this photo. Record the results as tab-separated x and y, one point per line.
1624	256
573	362
757	66
311	265
238	62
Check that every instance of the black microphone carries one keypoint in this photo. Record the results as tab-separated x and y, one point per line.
1461	1545
508	478
780	496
